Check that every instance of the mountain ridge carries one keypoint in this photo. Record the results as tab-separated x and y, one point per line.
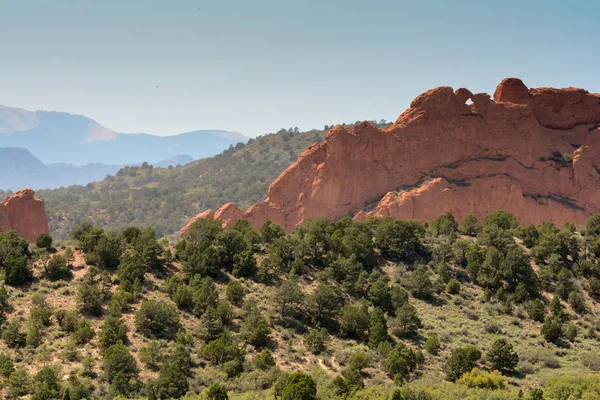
57	137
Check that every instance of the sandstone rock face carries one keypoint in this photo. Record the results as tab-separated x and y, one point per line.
445	155
205	214
25	214
228	215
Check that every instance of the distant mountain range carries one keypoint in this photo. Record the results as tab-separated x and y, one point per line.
56	137
19	169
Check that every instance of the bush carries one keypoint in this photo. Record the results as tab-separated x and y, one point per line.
221	350
255	329
264	360
6	365
67	319
57	268
502	356
453	286
17	269
552	330
235	292
420	283
172	382
407	322
470	226
537	310
84	332
152	355
354	321
432	345
19	383
299	386
359	361
47	384
398	239
34	337
577	302
316	340
12	334
120	366
90	299
401	360
157	319
112	332
477	378
461	360
216	392
43	241
233	368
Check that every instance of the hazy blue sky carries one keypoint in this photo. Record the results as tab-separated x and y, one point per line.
256	66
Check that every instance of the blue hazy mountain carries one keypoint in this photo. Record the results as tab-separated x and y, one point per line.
19	169
56	137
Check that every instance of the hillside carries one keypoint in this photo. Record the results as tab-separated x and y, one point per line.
165	199
385	309
58	137
21	169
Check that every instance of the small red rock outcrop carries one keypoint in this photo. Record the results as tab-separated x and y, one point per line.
205	214
228	215
25	214
443	154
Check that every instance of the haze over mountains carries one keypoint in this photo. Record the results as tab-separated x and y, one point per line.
46	149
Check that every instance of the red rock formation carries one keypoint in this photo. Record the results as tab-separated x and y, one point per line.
205	214
25	214
444	155
228	215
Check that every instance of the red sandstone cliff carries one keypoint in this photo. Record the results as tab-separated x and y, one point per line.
25	214
443	154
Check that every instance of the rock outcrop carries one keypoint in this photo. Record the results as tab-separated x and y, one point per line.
25	214
533	152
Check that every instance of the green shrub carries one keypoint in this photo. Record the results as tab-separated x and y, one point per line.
552	330
216	392
264	360
112	332
453	286
157	319
316	340
502	356
43	241
84	332
537	310
57	268
12	334
477	378
359	361
432	345
120	367
6	365
152	355
19	383
461	361
235	292
299	386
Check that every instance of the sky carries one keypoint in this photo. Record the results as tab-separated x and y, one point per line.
261	65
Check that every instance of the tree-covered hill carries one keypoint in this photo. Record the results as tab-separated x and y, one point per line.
166	198
385	309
